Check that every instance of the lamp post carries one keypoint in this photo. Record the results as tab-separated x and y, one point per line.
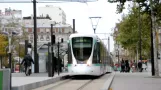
52	43
19	56
36	66
58	58
94	24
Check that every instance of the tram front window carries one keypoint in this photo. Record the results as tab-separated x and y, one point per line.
82	47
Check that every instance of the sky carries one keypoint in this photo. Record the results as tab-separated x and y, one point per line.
81	13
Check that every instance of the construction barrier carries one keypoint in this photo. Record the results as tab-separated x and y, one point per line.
5	79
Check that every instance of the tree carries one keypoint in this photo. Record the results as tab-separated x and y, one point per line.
153	9
144	4
3	44
128	35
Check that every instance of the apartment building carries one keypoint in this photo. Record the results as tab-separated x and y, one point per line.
56	13
43	30
9	16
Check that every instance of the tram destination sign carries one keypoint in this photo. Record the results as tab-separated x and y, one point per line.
44	1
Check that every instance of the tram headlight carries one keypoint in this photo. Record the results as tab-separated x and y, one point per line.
88	63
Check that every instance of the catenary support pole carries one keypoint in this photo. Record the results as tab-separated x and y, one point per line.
36	66
154	39
73	25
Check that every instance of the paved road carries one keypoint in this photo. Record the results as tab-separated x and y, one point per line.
135	81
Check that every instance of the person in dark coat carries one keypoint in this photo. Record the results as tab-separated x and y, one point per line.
60	64
55	64
27	63
140	66
122	66
127	66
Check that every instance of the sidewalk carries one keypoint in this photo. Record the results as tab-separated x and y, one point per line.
22	82
135	81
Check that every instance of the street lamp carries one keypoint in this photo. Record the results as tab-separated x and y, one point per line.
36	66
52	43
94	23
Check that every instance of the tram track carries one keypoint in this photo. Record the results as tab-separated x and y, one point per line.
60	84
78	84
84	85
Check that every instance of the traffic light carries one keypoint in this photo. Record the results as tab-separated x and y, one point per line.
53	39
29	45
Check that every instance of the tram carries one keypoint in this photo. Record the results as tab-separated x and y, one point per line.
87	55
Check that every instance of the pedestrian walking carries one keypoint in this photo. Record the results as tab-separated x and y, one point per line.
27	64
127	66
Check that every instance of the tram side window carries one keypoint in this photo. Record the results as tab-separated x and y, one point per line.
95	60
69	54
98	52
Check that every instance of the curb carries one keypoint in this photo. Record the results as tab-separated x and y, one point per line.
108	82
39	84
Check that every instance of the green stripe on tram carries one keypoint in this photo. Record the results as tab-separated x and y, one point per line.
1	80
97	64
69	65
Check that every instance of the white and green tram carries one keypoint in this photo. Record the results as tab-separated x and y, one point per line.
87	55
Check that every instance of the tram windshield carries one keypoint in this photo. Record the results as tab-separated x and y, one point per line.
82	47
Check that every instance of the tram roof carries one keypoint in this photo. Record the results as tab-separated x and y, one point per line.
84	35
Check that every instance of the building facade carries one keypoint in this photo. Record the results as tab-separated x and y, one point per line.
44	36
56	13
8	17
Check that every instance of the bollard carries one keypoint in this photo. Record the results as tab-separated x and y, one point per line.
5	79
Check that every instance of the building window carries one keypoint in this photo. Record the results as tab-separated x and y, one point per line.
38	30
41	30
31	37
37	38
47	38
56	30
29	29
62	30
47	30
41	38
